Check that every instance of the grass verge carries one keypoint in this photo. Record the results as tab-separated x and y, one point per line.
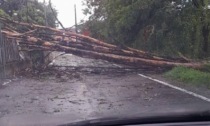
191	76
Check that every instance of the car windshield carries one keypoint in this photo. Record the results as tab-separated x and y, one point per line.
92	59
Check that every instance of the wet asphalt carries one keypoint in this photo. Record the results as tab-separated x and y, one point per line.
90	95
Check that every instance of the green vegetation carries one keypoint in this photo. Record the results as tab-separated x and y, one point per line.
164	27
190	76
30	11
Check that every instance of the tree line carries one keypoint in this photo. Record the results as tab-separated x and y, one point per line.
165	27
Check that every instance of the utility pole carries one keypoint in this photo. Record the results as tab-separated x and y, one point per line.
75	10
45	14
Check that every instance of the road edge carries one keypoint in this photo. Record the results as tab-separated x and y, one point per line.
177	88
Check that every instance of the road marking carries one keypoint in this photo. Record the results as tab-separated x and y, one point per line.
177	88
117	65
5	83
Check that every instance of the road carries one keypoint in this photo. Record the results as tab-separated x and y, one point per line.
90	95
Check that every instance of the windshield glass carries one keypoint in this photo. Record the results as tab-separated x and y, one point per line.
93	59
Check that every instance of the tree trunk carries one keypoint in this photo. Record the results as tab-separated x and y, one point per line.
205	32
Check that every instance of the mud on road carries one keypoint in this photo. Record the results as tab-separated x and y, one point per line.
92	95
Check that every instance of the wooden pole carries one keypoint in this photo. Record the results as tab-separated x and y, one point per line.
75	10
45	14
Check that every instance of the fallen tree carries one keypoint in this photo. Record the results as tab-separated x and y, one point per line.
47	38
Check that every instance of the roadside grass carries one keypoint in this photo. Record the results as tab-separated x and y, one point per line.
190	76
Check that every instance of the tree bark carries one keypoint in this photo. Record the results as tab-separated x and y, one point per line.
138	62
205	32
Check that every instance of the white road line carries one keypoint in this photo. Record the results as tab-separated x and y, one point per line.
5	83
177	88
117	65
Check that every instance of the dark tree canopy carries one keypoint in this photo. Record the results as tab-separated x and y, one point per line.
166	27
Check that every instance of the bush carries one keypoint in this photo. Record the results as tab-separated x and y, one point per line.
190	76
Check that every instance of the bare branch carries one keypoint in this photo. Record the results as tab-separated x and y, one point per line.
54	14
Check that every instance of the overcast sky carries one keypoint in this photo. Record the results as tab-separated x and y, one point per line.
65	10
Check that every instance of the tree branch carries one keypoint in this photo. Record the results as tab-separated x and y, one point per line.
54	14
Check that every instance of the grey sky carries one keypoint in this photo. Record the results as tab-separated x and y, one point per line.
65	10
